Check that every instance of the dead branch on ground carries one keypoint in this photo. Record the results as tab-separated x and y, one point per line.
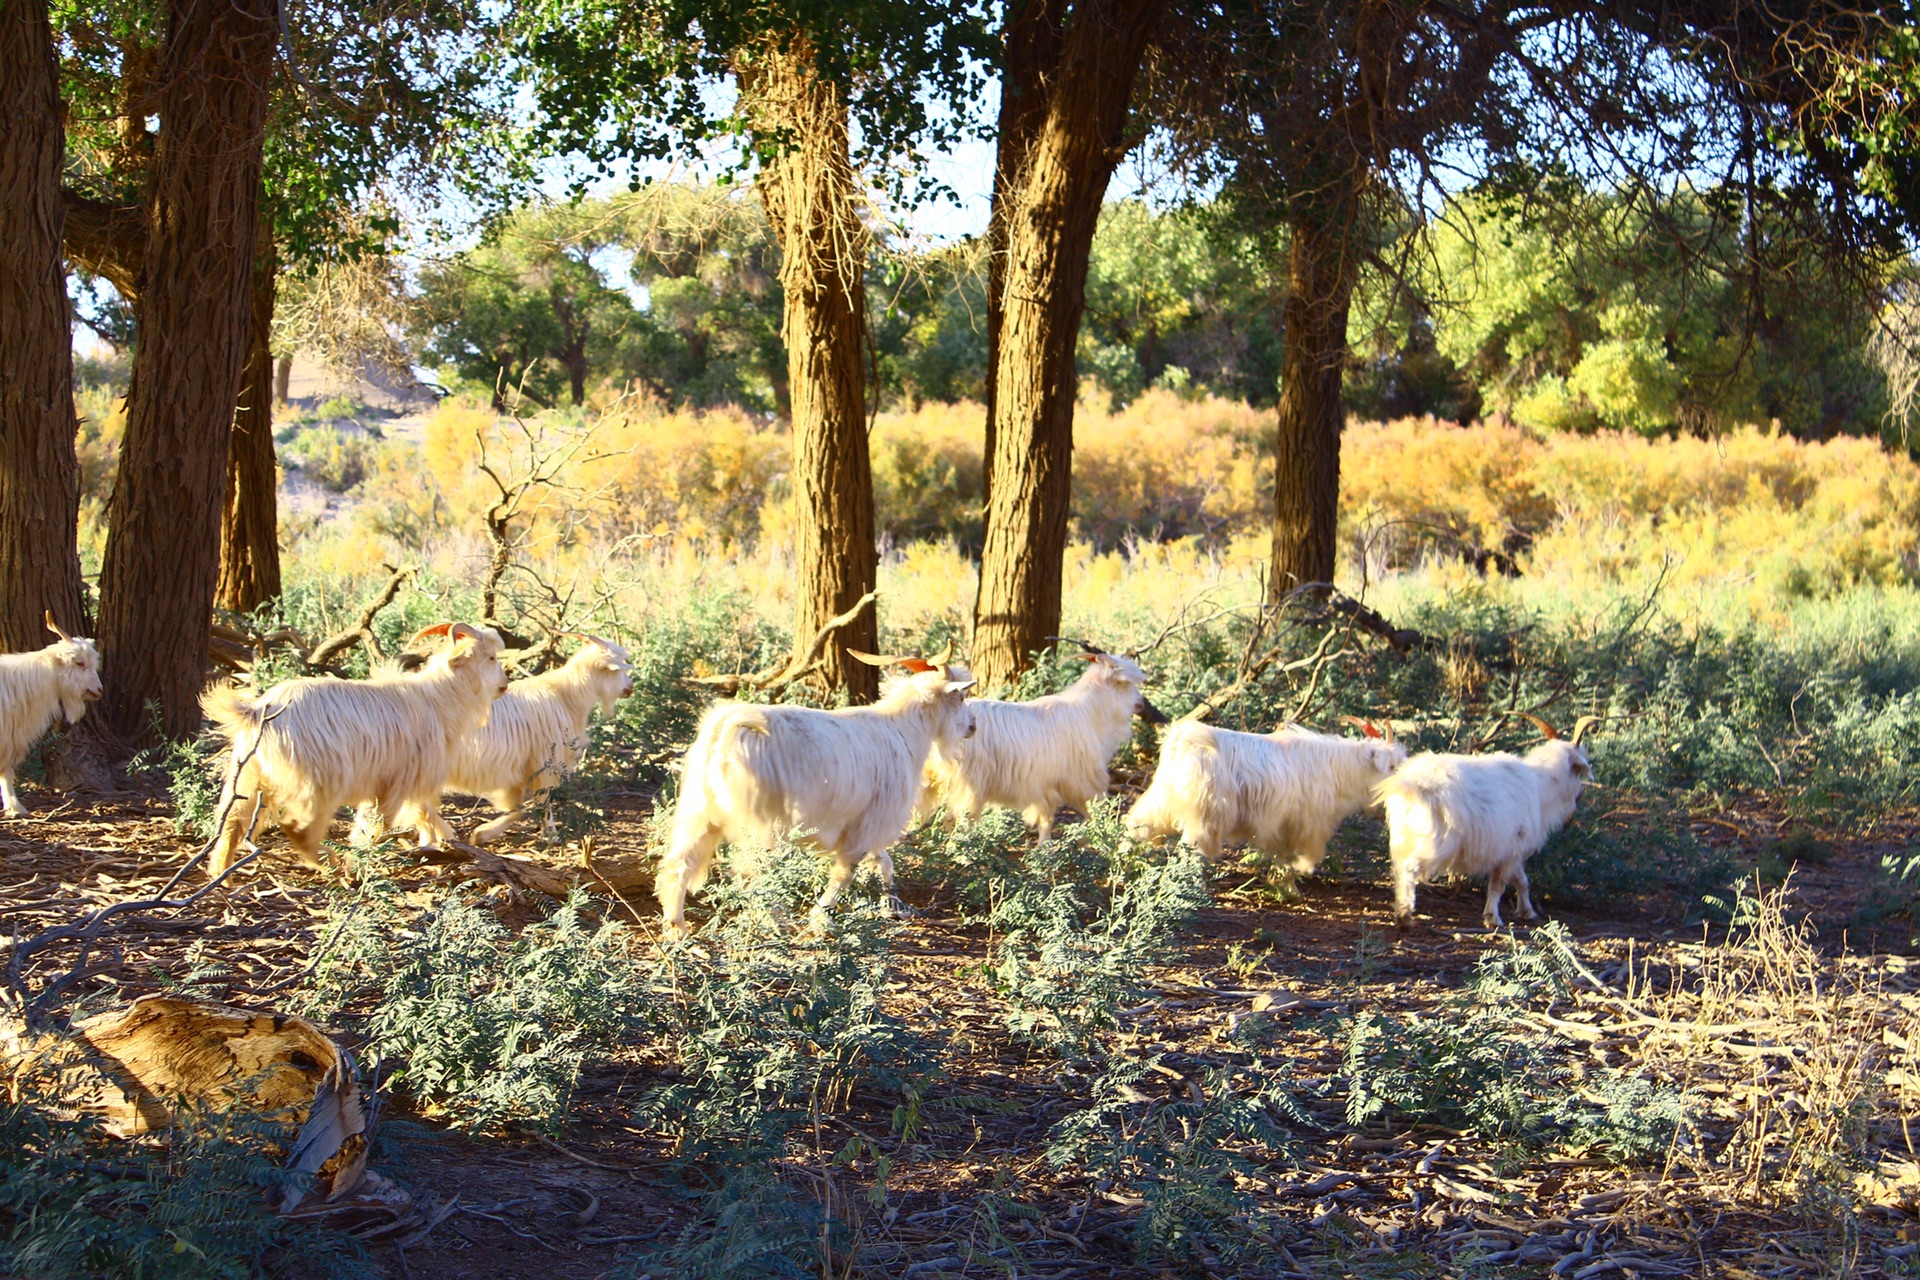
794	668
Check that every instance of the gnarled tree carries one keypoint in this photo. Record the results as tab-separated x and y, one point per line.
193	309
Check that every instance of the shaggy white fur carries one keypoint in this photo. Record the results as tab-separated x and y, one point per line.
1479	816
36	689
1036	756
312	745
849	776
1283	792
536	733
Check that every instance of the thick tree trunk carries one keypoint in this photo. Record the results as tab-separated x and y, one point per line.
250	518
1033	40
1051	199
194	311
811	199
39	479
1321	268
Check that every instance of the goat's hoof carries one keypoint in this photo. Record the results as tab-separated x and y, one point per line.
820	920
896	906
674	933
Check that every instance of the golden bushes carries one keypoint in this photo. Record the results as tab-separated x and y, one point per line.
1178	479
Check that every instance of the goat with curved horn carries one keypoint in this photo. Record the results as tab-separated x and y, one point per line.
1548	731
1581	726
56	627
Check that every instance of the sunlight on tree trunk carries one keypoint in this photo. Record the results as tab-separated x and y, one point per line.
1068	127
812	200
250	519
39	479
1322	265
194	312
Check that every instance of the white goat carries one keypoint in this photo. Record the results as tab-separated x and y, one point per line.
1036	756
36	689
308	746
537	732
1480	816
850	777
1281	792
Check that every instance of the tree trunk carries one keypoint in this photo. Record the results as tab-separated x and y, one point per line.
282	379
811	198
1322	264
250	520
193	309
39	479
1051	196
1032	51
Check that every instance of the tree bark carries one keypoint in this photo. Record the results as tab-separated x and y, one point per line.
250	517
193	306
811	197
1051	192
1322	264
282	379
39	479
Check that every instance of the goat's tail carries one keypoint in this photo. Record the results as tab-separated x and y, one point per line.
233	713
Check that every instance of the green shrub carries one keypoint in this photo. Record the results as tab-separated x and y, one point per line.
194	769
472	1022
1476	1065
767	1023
1187	1153
1080	924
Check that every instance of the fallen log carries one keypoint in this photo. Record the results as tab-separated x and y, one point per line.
152	1064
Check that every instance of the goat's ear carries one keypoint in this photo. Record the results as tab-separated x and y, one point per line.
960	686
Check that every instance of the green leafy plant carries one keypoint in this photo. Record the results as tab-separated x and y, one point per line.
1079	927
471	1021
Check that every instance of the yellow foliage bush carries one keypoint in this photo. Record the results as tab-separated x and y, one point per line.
1764	515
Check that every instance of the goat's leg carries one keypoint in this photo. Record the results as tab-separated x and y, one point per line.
890	902
1406	881
1523	894
370	822
238	806
12	805
1309	848
685	866
844	865
426	821
1496	890
510	801
1205	840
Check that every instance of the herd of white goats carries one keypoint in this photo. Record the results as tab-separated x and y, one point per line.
446	719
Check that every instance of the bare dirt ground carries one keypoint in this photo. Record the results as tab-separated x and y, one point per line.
1393	1202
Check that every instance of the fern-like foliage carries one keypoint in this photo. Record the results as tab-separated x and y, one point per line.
1080	922
483	1027
1189	1148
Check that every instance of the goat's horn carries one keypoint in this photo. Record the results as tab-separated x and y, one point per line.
875	659
1545	728
1581	726
438	629
945	655
55	627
